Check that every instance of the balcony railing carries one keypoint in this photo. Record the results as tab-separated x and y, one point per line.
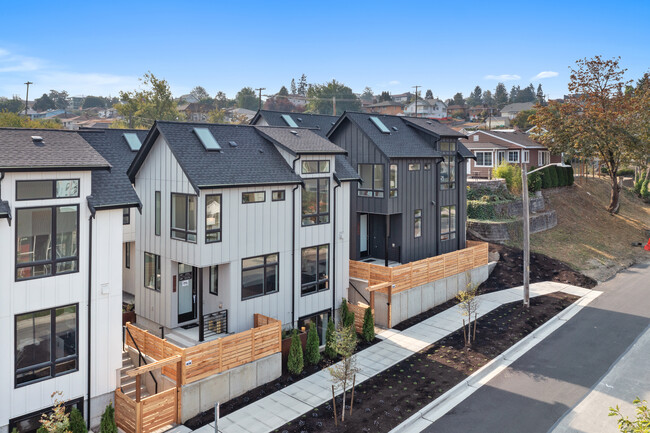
215	323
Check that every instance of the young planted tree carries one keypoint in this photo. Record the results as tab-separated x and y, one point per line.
107	423
295	363
468	304
345	342
58	421
329	339
640	424
368	326
312	352
77	423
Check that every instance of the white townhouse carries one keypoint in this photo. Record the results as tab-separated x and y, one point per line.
59	276
238	220
430	108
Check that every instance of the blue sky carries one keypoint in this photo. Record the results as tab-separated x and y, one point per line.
102	47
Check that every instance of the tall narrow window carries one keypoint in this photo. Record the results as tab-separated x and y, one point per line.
158	213
447	223
183	217
417	223
212	218
316	201
152	271
448	165
127	255
392	183
372	180
315	269
259	276
126	216
214	280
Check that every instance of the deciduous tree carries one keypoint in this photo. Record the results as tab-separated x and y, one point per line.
321	96
94	102
43	103
458	99
60	99
200	93
429	94
246	98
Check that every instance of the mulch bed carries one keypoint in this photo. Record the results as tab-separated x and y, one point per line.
260	392
389	398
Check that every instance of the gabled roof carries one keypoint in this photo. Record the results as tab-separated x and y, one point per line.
253	160
517	107
59	150
321	123
517	138
477	145
299	141
433	126
343	170
113	189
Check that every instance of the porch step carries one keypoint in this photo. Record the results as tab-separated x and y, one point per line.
127	383
179	340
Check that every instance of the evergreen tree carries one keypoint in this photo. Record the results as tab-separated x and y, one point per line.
293	86
107	424
329	339
302	85
312	353
475	97
488	99
295	362
368	326
527	94
429	94
501	96
77	423
513	94
246	98
540	94
385	96
283	91
458	99
43	103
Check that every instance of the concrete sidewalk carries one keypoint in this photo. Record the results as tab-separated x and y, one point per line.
275	410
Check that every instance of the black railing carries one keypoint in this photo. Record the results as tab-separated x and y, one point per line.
141	357
360	294
215	323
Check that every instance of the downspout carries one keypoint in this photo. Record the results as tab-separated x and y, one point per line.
293	247
90	270
338	185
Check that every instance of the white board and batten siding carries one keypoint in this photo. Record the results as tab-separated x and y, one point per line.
48	292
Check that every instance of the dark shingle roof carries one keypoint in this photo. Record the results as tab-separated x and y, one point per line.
299	140
432	125
344	171
59	150
253	161
5	210
322	123
113	189
465	152
518	137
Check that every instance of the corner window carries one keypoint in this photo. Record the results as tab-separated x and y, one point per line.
46	344
46	189
253	197
372	180
314	270
213	287
483	159
126	216
152	271
312	167
316	201
157	216
259	276
447	223
47	240
417	223
414	167
212	218
392	181
183	217
278	195
127	255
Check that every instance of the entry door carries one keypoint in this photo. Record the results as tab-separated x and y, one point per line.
363	235
186	293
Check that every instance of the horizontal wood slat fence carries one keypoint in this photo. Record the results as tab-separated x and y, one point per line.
421	272
149	414
359	312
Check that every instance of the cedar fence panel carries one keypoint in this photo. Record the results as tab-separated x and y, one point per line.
359	312
125	412
159	410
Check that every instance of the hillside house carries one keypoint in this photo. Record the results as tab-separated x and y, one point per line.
511	110
429	108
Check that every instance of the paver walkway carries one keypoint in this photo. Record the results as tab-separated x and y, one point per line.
277	409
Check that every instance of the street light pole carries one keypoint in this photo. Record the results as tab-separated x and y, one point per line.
260	98
27	96
416	100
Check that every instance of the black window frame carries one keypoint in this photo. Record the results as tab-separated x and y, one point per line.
54	196
53	260
448	149
373	191
317	282
53	360
318	215
415	166
218	231
318	163
266	265
417	218
216	273
449	234
185	231
321	334
157	283
127	255
393	187
282	193
36	415
126	216
157	213
254	201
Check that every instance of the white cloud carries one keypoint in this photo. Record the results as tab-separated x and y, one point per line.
394	83
503	77
10	62
545	74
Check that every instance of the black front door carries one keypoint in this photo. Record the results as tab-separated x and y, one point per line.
186	293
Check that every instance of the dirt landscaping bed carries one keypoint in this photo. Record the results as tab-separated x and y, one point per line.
269	388
389	398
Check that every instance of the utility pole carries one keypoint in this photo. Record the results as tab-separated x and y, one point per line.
526	229
334	105
416	100
27	96
260	97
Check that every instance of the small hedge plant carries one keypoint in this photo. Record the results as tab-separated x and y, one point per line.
512	175
312	352
295	363
368	326
77	423
329	340
107	424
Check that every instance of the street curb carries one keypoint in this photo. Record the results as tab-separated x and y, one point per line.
450	399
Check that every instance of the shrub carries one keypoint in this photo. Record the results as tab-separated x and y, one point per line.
639	183
77	423
570	178
368	326
344	310
547	180
512	175
107	424
479	210
625	172
554	178
561	176
312	353
41	429
534	182
295	362
645	194
329	340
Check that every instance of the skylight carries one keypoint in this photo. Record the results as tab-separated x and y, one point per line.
289	121
207	139
133	140
380	125
233	143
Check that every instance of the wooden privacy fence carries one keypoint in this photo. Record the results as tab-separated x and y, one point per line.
215	356
147	415
359	312
415	274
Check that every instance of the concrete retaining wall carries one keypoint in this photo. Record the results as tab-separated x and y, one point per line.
200	396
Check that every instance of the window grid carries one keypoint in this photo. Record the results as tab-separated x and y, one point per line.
447	223
318	281
372	180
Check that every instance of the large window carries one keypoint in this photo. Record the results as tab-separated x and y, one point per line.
448	165
525	156
417	223
312	167
152	271
212	218
319	320
513	156
213	288
314	269
47	240
253	197
316	201
392	180
372	180
46	189
46	344
259	276
157	216
447	222
184	217
483	159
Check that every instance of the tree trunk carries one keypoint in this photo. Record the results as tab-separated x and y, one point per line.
614	203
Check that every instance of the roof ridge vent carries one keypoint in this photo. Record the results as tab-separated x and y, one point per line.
293	132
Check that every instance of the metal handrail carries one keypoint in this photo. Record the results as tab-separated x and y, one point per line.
140	359
360	294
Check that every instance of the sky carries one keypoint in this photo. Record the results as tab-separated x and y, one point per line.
100	48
